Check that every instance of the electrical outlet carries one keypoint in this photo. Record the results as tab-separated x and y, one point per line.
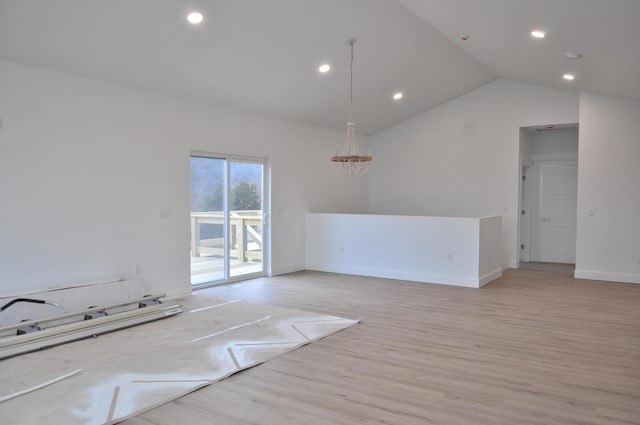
341	249
451	258
138	269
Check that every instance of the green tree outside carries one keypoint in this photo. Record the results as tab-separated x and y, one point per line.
245	196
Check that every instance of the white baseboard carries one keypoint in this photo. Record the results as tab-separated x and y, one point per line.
489	277
513	264
76	297
63	287
607	276
288	268
177	295
465	281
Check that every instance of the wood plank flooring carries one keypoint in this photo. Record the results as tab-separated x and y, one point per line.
562	268
533	347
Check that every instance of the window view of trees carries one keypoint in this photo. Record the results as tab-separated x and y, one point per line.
245	196
207	189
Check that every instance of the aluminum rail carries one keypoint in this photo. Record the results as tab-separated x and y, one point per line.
37	322
56	335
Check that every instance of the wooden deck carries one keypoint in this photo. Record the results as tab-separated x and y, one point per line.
244	249
531	348
211	269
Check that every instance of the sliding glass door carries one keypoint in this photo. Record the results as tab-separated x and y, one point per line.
208	235
228	238
246	214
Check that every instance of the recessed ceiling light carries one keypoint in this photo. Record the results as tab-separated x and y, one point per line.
397	96
324	68
568	77
538	34
195	18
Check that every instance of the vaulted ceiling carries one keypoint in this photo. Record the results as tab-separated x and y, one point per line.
263	56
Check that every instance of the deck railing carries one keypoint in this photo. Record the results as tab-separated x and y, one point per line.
245	235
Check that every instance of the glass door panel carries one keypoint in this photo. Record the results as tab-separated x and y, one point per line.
208	253
246	235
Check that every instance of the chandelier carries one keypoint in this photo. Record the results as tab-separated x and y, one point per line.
351	161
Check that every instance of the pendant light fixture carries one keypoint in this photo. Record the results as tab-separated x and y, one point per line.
351	161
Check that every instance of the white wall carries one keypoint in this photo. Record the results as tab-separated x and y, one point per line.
462	157
609	182
461	251
526	138
85	167
555	146
490	249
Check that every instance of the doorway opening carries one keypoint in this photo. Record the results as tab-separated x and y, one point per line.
548	195
229	237
555	268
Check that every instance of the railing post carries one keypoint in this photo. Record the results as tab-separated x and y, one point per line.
241	239
195	237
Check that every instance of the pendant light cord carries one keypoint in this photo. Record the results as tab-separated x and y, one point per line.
351	42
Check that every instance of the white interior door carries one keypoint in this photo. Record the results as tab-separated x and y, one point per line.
558	209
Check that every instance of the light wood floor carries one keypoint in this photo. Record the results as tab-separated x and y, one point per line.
560	268
533	347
